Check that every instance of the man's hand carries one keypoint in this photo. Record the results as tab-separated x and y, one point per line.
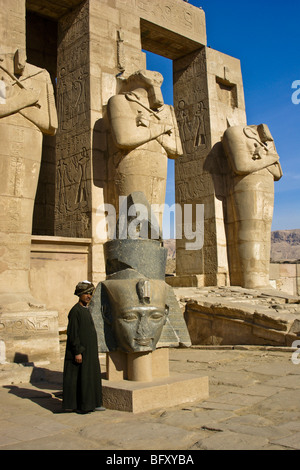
78	358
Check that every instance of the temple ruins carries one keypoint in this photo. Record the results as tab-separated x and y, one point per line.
83	124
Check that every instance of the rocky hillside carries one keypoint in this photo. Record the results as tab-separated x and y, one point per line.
285	248
285	245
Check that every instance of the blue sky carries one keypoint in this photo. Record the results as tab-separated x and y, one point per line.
265	36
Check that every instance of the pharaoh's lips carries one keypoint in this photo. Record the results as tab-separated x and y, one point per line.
143	341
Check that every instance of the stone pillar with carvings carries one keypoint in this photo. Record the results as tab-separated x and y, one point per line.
73	142
208	94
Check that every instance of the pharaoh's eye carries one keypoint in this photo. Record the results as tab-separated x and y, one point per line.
130	317
156	316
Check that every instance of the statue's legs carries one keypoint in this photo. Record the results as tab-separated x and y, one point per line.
20	165
144	170
249	221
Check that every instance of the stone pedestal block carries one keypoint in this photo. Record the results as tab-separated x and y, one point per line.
138	397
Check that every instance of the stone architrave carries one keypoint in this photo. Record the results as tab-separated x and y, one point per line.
255	165
27	111
145	134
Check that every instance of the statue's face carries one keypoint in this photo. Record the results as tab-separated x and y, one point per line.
138	313
139	328
259	141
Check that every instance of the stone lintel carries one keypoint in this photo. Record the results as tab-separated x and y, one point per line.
54	10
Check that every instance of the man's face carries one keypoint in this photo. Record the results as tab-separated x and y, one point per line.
85	299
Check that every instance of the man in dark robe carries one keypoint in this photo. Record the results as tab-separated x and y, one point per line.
82	388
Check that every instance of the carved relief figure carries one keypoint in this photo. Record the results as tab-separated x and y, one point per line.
255	165
145	135
27	111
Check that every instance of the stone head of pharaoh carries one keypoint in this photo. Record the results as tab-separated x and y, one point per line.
137	312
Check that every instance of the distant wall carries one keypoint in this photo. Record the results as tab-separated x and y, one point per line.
285	277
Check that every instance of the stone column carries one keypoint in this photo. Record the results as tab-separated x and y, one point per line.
208	95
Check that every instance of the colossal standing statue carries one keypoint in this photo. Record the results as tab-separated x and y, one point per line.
145	134
27	111
255	165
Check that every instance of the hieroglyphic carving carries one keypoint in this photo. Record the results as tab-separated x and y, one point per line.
72	211
191	106
193	185
25	325
72	97
169	13
192	125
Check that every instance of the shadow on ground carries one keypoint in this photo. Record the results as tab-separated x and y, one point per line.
42	379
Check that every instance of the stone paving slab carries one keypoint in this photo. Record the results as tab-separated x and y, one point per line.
232	441
249	408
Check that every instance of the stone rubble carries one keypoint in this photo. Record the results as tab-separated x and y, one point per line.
234	315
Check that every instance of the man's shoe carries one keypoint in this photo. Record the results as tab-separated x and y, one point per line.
100	408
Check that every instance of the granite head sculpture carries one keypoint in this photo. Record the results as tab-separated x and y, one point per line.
137	312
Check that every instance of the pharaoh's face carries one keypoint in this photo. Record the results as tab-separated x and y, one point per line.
139	328
138	313
259	141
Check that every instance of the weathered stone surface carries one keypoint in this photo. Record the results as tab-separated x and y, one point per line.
232	441
240	316
58	261
137	397
30	336
269	424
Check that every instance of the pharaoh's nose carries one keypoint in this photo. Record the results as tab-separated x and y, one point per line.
144	330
